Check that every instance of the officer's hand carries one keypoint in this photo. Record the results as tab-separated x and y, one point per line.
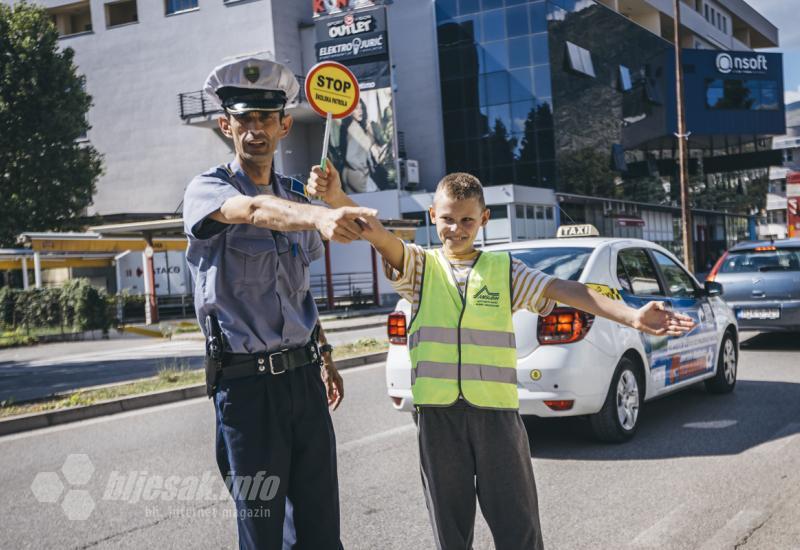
345	224
334	385
325	184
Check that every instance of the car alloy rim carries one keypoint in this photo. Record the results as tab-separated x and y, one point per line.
729	361
627	400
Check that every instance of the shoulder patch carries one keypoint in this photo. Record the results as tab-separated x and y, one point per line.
294	186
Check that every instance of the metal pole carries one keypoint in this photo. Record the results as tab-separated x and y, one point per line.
686	220
375	285
25	283
328	275
37	270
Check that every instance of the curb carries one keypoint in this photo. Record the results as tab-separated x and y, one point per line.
142	331
36	421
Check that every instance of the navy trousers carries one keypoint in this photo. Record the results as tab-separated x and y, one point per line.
275	442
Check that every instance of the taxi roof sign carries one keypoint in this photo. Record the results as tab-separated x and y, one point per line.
581	230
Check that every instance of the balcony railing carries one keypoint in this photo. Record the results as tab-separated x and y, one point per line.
198	104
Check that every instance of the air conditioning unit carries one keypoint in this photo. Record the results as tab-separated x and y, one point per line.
409	173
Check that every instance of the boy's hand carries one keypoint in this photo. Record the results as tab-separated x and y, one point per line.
654	318
325	185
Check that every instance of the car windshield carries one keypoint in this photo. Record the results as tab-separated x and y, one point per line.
562	262
752	261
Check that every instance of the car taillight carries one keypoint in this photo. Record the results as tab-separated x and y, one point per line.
396	327
560	405
713	273
563	326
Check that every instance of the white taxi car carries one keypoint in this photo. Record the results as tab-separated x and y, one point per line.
570	363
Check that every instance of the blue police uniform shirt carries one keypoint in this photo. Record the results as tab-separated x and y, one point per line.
255	280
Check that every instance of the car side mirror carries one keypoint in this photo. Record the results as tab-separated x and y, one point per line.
713	288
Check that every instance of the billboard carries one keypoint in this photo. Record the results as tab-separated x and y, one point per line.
363	146
170	273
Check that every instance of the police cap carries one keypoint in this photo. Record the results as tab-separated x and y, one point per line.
252	84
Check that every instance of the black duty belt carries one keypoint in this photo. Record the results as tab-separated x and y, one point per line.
239	365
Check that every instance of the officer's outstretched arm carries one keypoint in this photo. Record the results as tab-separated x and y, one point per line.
337	224
327	186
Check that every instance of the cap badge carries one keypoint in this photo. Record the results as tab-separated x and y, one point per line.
252	74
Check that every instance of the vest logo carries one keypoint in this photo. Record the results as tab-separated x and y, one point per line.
484	297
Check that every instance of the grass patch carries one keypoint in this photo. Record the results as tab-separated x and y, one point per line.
171	375
360	347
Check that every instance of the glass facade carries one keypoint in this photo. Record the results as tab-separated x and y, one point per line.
539	92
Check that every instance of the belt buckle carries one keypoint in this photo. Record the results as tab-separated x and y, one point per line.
272	363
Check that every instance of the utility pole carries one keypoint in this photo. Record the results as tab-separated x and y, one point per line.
683	140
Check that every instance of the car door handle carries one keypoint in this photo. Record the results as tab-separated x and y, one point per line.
758	293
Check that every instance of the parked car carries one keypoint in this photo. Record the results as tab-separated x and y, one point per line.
762	284
571	364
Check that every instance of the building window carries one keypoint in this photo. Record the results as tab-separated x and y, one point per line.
742	95
625	82
176	6
72	19
121	13
498	211
580	59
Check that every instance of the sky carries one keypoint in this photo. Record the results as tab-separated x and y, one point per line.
783	14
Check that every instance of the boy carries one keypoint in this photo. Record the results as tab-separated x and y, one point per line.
461	339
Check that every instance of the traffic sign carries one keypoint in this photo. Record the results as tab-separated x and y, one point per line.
332	91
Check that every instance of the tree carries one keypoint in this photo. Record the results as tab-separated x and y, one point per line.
586	172
47	178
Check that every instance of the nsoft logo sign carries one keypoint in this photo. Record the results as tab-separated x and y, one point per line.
726	63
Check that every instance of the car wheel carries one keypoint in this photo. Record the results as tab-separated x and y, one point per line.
727	366
619	418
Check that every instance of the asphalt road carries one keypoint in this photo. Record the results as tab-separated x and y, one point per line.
707	472
39	371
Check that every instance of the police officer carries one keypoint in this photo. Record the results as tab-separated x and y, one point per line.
252	234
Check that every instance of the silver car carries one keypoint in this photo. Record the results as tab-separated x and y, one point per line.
761	282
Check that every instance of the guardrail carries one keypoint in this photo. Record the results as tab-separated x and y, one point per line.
349	289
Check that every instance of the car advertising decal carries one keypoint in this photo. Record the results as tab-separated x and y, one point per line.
605	290
675	359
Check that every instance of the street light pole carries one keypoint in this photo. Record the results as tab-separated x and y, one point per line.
683	153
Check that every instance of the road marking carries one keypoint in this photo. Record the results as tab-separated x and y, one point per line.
101	419
711	424
162	348
664	530
778	440
354	370
372	438
737	527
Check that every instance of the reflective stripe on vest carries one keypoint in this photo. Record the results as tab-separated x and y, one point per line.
465	345
468	336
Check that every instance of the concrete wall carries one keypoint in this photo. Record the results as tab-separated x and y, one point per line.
135	73
418	102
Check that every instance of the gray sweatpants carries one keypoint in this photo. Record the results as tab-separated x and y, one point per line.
466	451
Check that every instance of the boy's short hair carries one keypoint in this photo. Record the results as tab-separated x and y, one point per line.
462	186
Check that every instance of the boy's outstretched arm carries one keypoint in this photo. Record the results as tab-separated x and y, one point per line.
653	318
327	186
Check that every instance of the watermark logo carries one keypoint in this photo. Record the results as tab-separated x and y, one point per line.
48	487
69	487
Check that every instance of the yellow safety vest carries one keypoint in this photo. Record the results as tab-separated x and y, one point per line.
464	345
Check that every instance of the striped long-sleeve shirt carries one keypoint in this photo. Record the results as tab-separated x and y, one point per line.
527	284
